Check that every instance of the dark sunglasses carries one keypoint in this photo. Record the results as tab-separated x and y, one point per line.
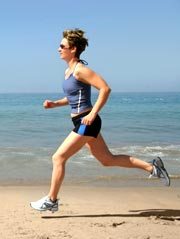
63	46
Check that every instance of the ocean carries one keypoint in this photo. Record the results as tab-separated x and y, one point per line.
144	125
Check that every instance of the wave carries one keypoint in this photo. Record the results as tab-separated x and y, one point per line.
169	152
34	162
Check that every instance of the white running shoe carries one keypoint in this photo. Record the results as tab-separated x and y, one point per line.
45	204
159	171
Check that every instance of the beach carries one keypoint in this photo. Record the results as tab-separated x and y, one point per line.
59	59
96	202
92	213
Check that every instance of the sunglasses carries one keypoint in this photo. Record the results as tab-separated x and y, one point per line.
64	47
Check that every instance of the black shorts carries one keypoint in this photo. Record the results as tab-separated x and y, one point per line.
86	130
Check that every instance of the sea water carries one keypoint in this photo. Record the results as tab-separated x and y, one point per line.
145	125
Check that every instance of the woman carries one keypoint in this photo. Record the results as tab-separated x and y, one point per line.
87	123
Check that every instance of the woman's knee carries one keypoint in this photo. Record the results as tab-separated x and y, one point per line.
105	163
105	160
58	158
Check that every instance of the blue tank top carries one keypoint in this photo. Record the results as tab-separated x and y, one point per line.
78	94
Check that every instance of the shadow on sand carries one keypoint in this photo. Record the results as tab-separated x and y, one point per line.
165	214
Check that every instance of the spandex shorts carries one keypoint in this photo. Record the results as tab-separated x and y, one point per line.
86	130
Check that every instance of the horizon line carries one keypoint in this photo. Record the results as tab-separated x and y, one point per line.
60	92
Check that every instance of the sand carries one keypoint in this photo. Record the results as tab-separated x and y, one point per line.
92	212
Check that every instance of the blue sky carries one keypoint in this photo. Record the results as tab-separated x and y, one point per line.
133	44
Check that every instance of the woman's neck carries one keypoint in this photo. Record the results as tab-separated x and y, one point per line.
71	67
72	62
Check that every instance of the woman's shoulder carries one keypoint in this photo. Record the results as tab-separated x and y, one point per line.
81	71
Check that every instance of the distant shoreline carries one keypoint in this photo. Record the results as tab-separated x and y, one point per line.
94	92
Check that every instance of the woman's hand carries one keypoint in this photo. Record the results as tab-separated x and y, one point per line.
88	119
49	104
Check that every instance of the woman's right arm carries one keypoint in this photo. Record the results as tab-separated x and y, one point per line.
52	104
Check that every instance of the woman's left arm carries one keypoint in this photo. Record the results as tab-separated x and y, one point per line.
88	76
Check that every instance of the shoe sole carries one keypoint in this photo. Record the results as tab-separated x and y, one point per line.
161	167
43	210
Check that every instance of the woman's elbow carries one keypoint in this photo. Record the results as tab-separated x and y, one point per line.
108	90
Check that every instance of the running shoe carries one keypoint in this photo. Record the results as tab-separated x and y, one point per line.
159	171
45	204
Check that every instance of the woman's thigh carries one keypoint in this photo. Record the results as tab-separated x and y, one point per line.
72	144
99	149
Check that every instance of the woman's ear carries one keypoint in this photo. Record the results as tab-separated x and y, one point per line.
73	49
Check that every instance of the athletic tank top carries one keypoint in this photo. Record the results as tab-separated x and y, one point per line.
78	94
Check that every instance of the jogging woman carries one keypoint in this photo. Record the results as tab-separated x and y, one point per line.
87	122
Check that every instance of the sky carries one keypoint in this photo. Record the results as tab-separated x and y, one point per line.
133	44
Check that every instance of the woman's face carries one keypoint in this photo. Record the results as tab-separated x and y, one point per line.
66	53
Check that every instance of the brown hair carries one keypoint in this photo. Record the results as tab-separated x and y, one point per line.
76	39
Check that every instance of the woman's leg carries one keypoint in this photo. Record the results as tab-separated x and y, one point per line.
72	144
100	151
